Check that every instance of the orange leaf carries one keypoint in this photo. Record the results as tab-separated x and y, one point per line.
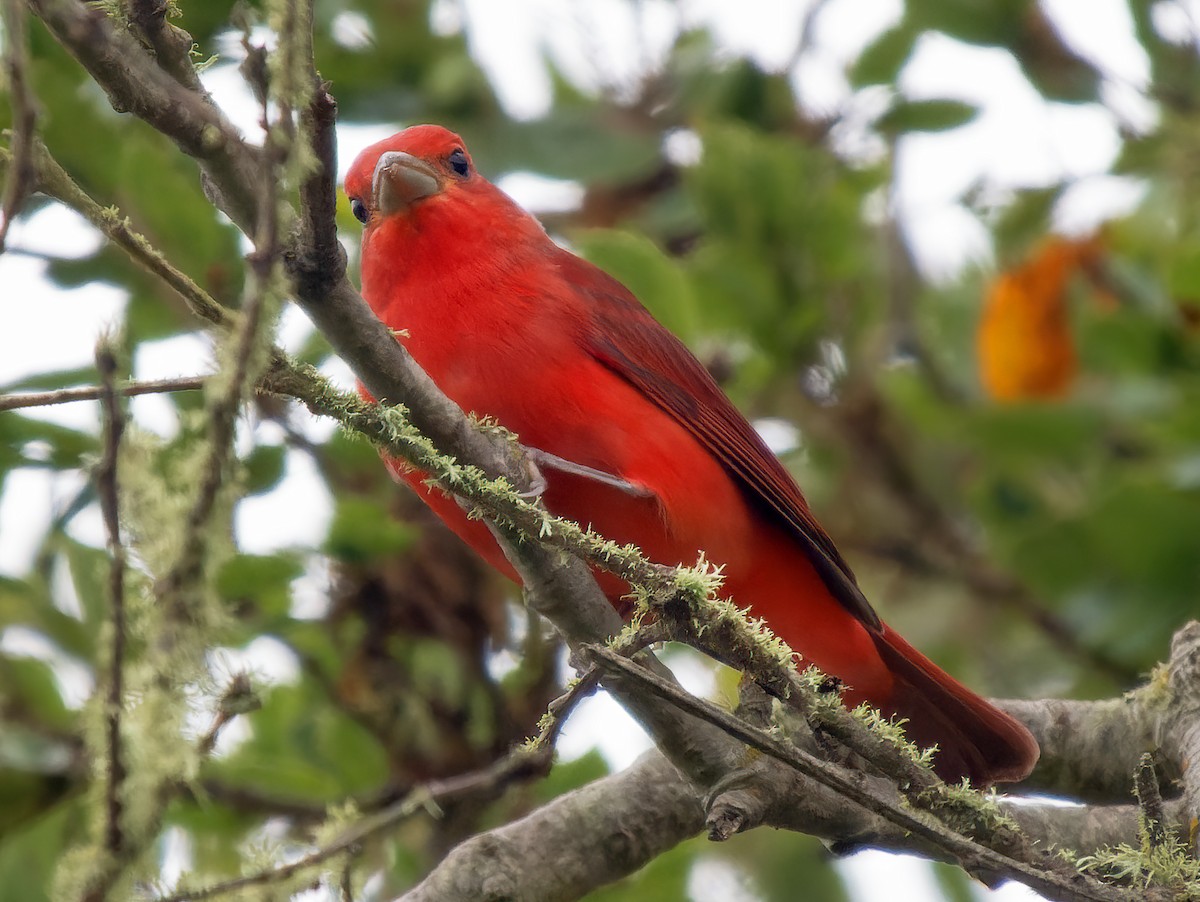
1025	346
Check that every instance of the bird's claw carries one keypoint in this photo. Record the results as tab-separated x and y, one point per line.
537	480
548	461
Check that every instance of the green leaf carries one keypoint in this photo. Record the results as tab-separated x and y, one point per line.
28	603
882	60
263	468
656	280
90	575
217	833
25	794
566	776
30	686
666	877
305	751
569	145
363	530
955	885
925	116
56	446
29	857
263	581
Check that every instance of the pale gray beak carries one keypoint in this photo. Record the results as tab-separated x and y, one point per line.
400	180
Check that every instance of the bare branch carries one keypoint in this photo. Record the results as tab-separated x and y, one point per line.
599	833
1090	749
172	46
646	809
96	392
1183	722
385	368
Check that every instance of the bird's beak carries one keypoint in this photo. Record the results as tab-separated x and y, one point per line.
401	180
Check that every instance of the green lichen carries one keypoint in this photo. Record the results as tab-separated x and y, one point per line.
891	731
1156	693
200	62
970	811
1168	864
113	9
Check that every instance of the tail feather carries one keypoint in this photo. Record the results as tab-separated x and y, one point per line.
974	738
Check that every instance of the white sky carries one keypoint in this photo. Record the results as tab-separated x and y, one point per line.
1017	141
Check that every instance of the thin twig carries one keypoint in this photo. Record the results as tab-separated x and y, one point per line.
53	180
530	760
20	181
431	796
96	392
238	698
560	708
108	490
248	800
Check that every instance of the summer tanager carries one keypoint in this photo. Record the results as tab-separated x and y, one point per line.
647	448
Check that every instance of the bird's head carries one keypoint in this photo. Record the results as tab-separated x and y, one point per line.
399	174
423	203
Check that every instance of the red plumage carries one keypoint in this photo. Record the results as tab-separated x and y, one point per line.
514	327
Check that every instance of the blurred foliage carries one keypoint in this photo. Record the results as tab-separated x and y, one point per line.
774	254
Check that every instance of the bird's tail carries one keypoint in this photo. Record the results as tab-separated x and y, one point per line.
974	738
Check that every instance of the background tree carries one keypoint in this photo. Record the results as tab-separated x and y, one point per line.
1016	488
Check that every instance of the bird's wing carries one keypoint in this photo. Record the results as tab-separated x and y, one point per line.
626	339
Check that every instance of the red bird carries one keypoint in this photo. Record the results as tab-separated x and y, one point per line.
651	451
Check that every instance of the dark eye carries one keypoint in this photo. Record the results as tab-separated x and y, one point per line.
458	162
359	209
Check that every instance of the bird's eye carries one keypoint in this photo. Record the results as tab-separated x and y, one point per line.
359	209
458	162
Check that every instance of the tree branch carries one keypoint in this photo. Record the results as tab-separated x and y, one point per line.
1091	749
1182	739
107	489
610	828
135	84
172	46
19	182
96	392
599	833
1055	879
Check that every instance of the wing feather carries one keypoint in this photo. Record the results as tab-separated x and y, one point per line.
626	339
